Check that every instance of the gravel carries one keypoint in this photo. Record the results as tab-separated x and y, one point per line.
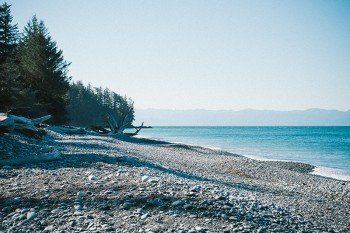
104	184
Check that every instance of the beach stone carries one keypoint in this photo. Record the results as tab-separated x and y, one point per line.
22	217
81	194
108	192
153	180
15	216
195	188
73	223
138	211
219	197
107	227
92	177
178	203
144	216
145	178
25	210
31	215
49	228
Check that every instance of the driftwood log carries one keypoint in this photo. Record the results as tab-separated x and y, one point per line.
115	128
7	124
29	127
137	130
118	129
100	130
52	156
68	130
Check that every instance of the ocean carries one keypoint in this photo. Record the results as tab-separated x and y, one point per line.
328	148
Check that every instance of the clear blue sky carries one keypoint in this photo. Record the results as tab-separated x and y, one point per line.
279	55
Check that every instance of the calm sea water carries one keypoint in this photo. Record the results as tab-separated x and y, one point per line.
326	147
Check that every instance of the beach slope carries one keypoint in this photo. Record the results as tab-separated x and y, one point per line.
103	184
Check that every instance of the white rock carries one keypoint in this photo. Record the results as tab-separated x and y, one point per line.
144	216
153	180
15	216
31	215
145	178
107	227
92	177
108	192
198	228
81	194
178	203
49	228
196	188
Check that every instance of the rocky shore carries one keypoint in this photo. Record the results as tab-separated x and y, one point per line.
103	184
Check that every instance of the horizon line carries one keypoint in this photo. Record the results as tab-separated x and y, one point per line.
245	109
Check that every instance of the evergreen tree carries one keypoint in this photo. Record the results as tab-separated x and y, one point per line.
9	88
8	33
43	68
89	106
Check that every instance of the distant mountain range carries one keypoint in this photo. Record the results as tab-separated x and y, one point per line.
248	117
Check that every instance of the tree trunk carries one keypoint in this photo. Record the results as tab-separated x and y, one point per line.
9	123
52	156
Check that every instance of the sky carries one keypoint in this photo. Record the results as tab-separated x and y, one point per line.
278	55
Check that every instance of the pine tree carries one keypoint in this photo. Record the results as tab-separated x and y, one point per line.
43	68
8	33
89	106
9	90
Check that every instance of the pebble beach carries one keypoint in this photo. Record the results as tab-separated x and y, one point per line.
106	184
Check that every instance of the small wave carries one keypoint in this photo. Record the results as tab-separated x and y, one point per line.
331	173
212	147
334	173
261	158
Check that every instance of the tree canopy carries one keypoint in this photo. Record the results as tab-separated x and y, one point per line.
8	33
89	106
8	42
43	68
34	80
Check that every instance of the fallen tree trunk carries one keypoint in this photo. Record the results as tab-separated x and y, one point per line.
137	130
100	130
52	156
9	123
68	130
40	120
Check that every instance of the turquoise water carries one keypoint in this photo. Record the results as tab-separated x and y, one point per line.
327	147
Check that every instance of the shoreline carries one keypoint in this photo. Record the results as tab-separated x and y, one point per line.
323	171
103	183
